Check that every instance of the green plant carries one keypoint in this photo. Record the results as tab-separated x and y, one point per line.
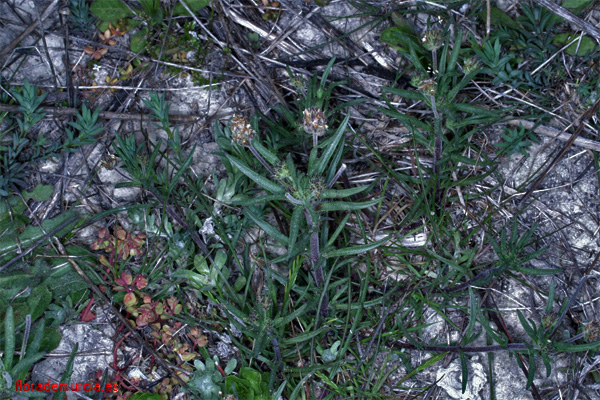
31	351
448	134
305	192
516	140
150	13
29	104
512	251
119	247
248	384
13	157
17	229
26	293
81	19
87	125
291	174
208	379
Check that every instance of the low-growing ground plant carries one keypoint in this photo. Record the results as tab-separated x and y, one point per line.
286	272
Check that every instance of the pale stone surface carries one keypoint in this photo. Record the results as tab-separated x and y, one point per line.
450	379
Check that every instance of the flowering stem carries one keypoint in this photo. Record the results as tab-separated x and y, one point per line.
261	159
315	256
337	176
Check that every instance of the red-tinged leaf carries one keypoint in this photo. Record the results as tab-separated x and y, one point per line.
87	314
202	341
130	300
140	282
172	302
142	319
125	280
121	234
104	261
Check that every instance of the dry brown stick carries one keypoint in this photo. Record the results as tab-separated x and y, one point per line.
119	316
570	17
343	38
111	115
556	134
29	29
579	125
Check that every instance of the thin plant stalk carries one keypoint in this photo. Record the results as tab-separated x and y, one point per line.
315	257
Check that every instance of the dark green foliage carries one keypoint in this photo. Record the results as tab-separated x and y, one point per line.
82	22
516	140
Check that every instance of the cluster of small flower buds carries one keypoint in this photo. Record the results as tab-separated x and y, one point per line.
470	65
591	331
282	172
316	187
432	39
428	86
314	122
241	131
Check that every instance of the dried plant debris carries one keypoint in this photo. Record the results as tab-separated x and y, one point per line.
299	200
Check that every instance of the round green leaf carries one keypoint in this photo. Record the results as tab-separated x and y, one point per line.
139	41
193	5
110	10
586	46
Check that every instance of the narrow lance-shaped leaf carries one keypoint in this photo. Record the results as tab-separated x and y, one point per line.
322	163
294	228
338	230
66	376
9	337
474	311
360	249
266	153
465	371
348	205
256	200
265	183
531	366
268	228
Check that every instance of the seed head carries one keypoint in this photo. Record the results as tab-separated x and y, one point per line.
316	187
314	122
428	86
417	80
282	172
470	65
591	331
241	131
432	39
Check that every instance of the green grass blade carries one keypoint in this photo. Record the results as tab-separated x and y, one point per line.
66	376
347	205
295	227
351	251
465	371
331	148
9	338
341	193
268	228
265	183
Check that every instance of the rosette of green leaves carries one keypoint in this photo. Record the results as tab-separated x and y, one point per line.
309	193
249	384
